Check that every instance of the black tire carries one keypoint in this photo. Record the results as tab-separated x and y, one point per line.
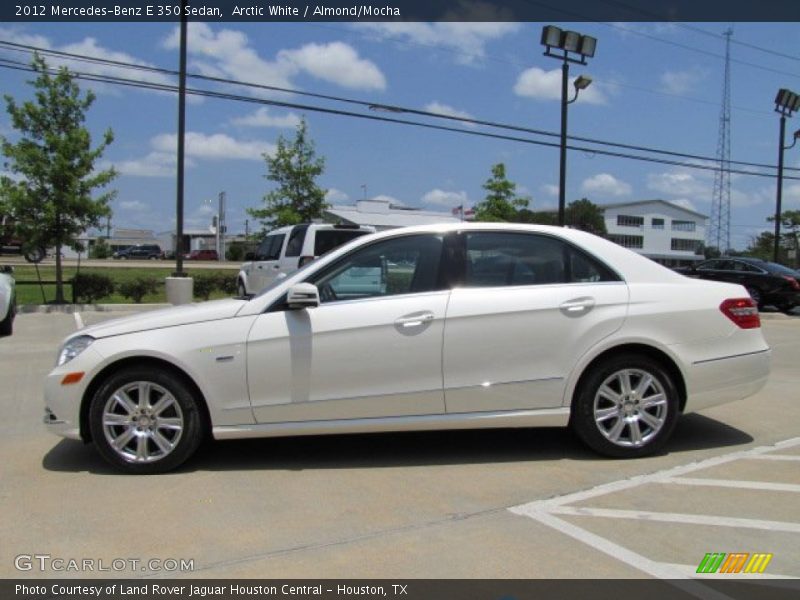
240	289
598	430
154	458
787	308
34	255
7	324
755	294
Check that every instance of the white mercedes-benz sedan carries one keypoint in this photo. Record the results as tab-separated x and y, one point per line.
440	327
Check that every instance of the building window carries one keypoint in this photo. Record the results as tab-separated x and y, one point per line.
685	245
630	221
683	225
628	241
658	223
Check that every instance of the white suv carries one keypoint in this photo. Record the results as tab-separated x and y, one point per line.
287	249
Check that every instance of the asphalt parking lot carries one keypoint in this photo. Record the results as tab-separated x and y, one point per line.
481	504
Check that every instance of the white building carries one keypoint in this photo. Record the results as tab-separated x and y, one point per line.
382	214
664	232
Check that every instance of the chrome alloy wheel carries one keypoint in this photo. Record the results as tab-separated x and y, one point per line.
630	407
142	422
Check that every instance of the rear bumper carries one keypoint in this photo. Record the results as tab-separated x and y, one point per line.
726	379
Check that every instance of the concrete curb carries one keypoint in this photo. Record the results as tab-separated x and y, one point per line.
73	308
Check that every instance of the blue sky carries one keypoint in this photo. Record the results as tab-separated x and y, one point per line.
656	85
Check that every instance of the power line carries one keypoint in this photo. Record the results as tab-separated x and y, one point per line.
391	108
377	118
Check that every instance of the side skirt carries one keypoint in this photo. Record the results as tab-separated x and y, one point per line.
552	417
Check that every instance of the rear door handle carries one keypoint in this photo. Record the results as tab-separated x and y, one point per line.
414	320
577	306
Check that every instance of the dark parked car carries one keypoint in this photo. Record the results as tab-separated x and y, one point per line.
142	251
202	255
768	283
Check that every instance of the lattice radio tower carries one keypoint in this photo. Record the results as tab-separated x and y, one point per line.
719	229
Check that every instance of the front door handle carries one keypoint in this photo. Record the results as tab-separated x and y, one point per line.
414	320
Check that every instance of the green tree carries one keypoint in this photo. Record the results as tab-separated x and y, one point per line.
584	214
295	168
51	198
502	202
790	233
762	246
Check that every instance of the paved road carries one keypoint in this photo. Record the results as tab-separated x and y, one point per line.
492	504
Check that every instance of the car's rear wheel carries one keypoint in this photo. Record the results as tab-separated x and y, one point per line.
626	407
755	295
145	421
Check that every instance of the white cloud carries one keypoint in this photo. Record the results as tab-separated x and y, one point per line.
217	146
684	203
263	118
698	187
467	40
550	189
161	161
443	198
605	184
228	53
447	110
682	82
154	164
334	195
336	63
133	205
89	47
546	85
679	182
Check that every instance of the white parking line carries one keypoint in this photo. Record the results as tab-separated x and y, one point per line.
788	457
78	320
738	484
685	518
546	511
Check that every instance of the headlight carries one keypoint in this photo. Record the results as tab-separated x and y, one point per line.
73	348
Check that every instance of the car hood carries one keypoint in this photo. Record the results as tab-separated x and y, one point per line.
168	317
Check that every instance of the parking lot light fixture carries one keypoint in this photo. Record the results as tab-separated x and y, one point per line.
786	103
568	47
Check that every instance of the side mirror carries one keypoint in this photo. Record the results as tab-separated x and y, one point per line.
250	256
303	295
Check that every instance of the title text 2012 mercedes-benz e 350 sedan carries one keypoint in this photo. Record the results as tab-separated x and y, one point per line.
439	327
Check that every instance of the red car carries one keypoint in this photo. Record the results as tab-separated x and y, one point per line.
202	255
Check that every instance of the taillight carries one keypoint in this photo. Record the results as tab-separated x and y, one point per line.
742	311
792	281
304	260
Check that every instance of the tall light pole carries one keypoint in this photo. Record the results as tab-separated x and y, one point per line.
786	103
560	44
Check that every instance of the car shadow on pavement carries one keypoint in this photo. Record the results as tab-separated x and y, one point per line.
387	450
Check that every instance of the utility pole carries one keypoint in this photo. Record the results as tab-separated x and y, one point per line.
221	227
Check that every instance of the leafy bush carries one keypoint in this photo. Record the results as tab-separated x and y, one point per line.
90	287
226	284
138	288
204	285
235	252
100	249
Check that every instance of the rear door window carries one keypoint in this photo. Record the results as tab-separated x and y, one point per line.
329	239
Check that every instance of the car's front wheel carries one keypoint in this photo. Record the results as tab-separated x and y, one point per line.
240	289
626	407
145	421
